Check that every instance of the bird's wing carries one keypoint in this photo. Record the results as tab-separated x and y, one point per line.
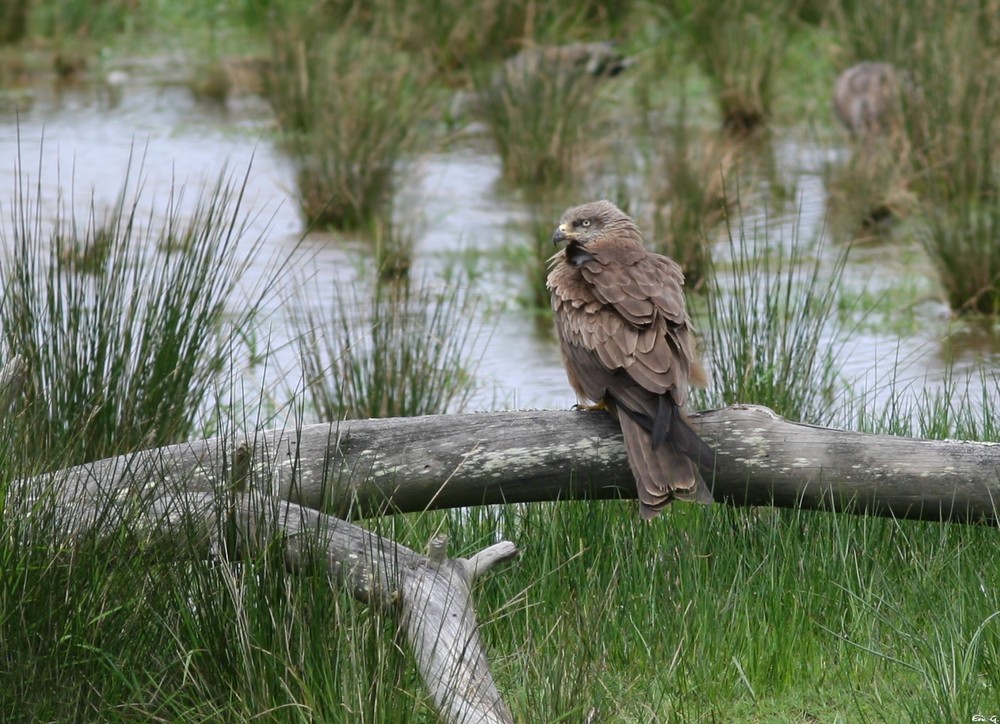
635	320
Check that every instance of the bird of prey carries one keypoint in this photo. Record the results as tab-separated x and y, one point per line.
868	98
628	346
598	60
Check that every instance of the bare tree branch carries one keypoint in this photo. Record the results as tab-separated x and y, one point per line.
432	597
360	467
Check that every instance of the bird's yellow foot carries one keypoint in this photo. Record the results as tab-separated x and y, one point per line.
590	408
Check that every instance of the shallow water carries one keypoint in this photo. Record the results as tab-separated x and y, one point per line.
79	141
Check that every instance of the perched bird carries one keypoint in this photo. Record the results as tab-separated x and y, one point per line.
867	98
598	60
542	70
627	345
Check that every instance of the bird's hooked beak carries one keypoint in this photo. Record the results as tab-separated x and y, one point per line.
560	235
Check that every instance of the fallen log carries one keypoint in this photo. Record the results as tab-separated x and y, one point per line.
358	468
430	594
308	475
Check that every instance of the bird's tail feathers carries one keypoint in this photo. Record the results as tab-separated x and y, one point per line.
665	410
670	426
662	473
690	443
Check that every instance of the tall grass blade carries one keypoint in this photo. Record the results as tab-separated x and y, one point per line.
125	321
772	332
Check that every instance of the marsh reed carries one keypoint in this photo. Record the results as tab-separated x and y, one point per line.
124	322
351	108
391	348
739	50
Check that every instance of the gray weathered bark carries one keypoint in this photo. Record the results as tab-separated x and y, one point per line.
432	594
357	468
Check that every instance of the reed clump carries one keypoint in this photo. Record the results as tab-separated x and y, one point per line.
739	49
542	111
402	348
879	31
531	260
961	235
874	47
771	328
352	109
686	171
64	19
953	127
868	191
122	340
457	34
13	21
462	36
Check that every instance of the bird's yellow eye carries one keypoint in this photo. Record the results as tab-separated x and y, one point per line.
585	223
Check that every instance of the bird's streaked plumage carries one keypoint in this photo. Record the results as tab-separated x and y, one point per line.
627	343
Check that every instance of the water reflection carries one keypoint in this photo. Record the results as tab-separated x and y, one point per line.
82	138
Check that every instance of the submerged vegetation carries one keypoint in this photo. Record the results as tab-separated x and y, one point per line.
130	321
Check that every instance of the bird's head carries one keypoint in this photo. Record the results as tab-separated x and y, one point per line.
583	225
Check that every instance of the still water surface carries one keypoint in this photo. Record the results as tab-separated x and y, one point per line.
81	142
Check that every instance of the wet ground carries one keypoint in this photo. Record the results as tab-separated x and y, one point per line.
80	140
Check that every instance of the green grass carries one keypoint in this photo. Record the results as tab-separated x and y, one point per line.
399	348
767	615
771	326
116	629
123	321
456	34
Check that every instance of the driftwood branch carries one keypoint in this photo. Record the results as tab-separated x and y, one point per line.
441	627
432	596
303	481
361	467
